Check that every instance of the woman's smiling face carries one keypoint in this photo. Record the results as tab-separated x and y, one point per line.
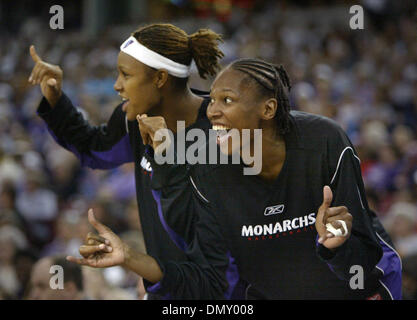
235	104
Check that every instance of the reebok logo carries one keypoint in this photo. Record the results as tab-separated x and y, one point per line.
279	208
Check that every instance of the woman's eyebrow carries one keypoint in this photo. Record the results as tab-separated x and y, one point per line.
122	68
226	90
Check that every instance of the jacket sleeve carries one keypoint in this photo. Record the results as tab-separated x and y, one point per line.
175	195
190	220
362	248
203	275
98	147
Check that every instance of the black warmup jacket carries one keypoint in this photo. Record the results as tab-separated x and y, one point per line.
110	145
257	240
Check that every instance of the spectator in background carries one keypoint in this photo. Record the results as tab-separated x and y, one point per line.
40	289
12	240
69	226
11	172
23	263
65	172
402	226
12	226
38	207
102	286
121	184
111	211
9	215
9	282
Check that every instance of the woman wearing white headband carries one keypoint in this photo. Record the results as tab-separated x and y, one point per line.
154	65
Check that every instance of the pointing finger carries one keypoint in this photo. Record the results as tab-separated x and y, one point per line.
101	228
327	197
33	54
327	200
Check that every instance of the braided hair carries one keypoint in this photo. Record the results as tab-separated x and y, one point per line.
272	81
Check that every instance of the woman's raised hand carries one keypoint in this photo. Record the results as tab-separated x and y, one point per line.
101	250
48	76
330	220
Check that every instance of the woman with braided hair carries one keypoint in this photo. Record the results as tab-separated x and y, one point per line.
154	67
300	229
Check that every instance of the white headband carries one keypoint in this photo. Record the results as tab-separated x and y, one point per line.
152	59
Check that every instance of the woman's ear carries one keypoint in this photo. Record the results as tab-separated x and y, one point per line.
269	109
161	77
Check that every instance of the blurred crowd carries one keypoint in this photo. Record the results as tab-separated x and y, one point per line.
364	79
